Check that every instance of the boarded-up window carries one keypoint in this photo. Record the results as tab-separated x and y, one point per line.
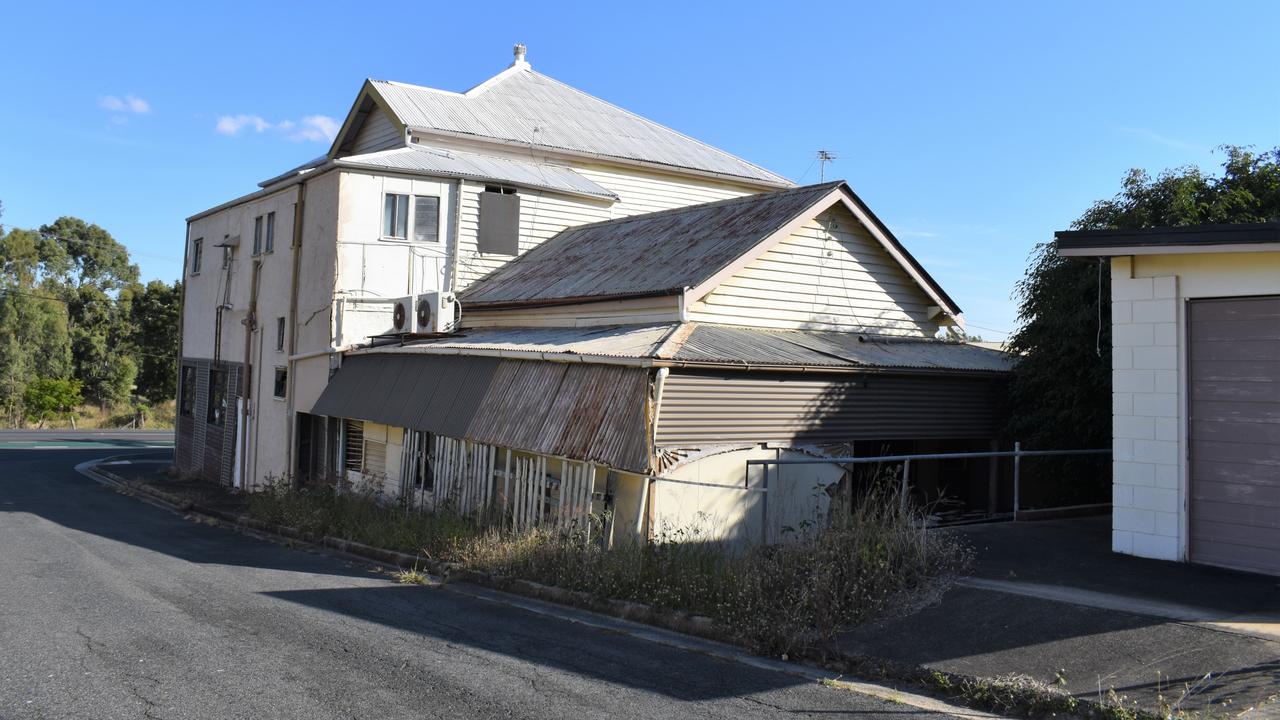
499	222
426	218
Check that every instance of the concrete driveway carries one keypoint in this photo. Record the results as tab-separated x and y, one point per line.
114	608
1050	600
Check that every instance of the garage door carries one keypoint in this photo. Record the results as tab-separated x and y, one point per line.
1234	428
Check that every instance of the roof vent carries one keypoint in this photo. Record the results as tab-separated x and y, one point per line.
519	51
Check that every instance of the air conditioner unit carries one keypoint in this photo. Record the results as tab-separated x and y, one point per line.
402	315
436	312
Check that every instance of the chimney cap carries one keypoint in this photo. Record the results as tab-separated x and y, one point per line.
519	51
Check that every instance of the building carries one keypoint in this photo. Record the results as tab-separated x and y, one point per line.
422	190
1195	315
641	313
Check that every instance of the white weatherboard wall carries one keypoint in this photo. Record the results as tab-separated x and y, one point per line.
1149	378
829	275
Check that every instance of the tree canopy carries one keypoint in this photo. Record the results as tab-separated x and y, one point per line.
72	313
1061	393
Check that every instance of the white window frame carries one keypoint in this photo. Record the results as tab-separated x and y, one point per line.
411	220
382	217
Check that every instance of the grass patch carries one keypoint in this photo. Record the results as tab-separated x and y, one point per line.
411	577
775	600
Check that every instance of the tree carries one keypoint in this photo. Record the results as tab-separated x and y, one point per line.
51	398
154	321
97	281
1061	393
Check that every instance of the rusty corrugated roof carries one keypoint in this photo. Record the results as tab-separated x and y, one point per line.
652	254
581	411
720	344
816	348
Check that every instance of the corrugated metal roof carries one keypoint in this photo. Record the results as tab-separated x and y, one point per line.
584	412
620	341
654	253
302	169
700	343
475	166
529	108
714	343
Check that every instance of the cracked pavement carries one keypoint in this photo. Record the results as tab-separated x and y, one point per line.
113	608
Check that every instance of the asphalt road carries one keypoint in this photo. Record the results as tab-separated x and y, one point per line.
114	608
89	439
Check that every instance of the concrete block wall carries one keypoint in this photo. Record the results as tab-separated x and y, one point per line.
1147	498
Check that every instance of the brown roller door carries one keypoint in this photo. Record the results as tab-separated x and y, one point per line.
1234	429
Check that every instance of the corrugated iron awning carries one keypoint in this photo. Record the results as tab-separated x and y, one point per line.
580	411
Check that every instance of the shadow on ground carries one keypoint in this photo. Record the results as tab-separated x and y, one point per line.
45	484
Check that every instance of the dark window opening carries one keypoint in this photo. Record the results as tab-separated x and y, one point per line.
197	255
271	232
257	235
280	334
188	390
217	411
281	382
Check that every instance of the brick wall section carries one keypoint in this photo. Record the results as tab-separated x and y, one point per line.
1146	493
206	450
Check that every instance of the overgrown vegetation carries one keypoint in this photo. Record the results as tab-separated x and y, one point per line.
776	600
1061	394
73	314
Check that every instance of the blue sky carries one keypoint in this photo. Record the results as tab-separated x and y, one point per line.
973	129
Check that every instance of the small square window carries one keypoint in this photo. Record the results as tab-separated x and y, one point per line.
279	334
271	232
395	217
281	382
197	255
257	235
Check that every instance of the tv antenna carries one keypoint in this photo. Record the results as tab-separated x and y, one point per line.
824	157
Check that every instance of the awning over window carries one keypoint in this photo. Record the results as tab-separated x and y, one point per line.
580	411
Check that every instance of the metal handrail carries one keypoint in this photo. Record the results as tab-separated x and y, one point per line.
1017	453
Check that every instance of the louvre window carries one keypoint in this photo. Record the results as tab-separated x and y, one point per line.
426	218
353	445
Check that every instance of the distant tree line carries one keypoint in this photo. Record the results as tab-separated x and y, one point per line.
77	327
